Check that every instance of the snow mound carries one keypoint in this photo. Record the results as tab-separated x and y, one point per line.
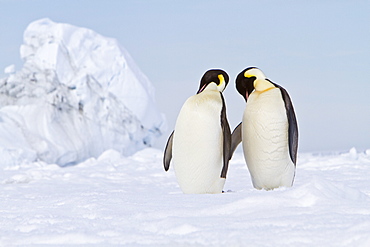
131	201
77	95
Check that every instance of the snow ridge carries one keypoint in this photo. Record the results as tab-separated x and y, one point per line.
131	201
77	95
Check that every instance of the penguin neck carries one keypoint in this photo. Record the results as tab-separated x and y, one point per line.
262	85
211	87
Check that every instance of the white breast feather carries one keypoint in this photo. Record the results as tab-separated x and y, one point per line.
197	144
265	140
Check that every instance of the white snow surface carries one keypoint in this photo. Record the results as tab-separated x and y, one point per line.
77	95
132	201
80	99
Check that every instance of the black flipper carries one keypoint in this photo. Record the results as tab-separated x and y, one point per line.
168	153
236	138
226	137
293	125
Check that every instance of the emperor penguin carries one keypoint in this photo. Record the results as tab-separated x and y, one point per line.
200	144
268	131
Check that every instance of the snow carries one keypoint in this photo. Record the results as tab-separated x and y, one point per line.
71	123
77	95
9	69
132	201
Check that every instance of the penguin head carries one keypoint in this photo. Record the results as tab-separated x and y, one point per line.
252	78
215	77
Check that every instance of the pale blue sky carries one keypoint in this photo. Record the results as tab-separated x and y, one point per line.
318	50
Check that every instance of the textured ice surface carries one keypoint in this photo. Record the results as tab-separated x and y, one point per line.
132	201
77	95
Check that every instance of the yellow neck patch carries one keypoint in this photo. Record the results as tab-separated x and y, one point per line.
222	84
267	89
221	78
247	74
263	85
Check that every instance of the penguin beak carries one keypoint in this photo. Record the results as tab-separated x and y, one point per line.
246	95
202	88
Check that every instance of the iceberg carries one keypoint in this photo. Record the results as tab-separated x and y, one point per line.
77	95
